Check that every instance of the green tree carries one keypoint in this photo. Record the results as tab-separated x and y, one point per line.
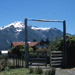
70	47
42	42
19	50
34	40
48	41
57	43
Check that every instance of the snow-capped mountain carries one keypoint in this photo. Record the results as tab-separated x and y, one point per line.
18	25
16	32
40	28
48	32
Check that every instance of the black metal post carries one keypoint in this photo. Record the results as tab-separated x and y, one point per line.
64	44
26	46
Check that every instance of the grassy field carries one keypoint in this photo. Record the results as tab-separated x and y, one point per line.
18	71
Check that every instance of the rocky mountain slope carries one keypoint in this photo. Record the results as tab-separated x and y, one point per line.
16	32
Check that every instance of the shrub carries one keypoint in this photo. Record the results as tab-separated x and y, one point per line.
50	72
38	71
35	70
31	70
70	48
19	50
3	62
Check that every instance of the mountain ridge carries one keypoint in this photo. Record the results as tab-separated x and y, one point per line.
16	32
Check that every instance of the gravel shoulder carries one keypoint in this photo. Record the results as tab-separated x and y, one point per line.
65	71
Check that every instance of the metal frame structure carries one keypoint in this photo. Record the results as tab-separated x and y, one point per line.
64	40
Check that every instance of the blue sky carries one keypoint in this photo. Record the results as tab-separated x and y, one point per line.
18	10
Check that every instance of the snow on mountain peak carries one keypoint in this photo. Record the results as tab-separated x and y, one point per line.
18	25
41	28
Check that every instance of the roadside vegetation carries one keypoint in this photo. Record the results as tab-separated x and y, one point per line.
25	71
57	45
18	54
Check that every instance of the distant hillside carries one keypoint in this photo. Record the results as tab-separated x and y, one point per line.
16	32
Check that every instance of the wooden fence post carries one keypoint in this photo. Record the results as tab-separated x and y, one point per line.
26	47
64	44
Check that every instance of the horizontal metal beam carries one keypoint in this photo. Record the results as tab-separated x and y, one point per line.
46	20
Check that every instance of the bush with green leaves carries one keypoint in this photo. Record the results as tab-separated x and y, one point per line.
31	70
35	70
58	44
50	72
3	62
19	50
38	70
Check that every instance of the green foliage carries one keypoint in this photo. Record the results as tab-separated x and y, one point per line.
38	71
34	40
70	42
30	49
58	44
17	71
47	41
19	50
42	42
3	62
50	72
31	70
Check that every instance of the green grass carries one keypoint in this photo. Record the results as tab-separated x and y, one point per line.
18	71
